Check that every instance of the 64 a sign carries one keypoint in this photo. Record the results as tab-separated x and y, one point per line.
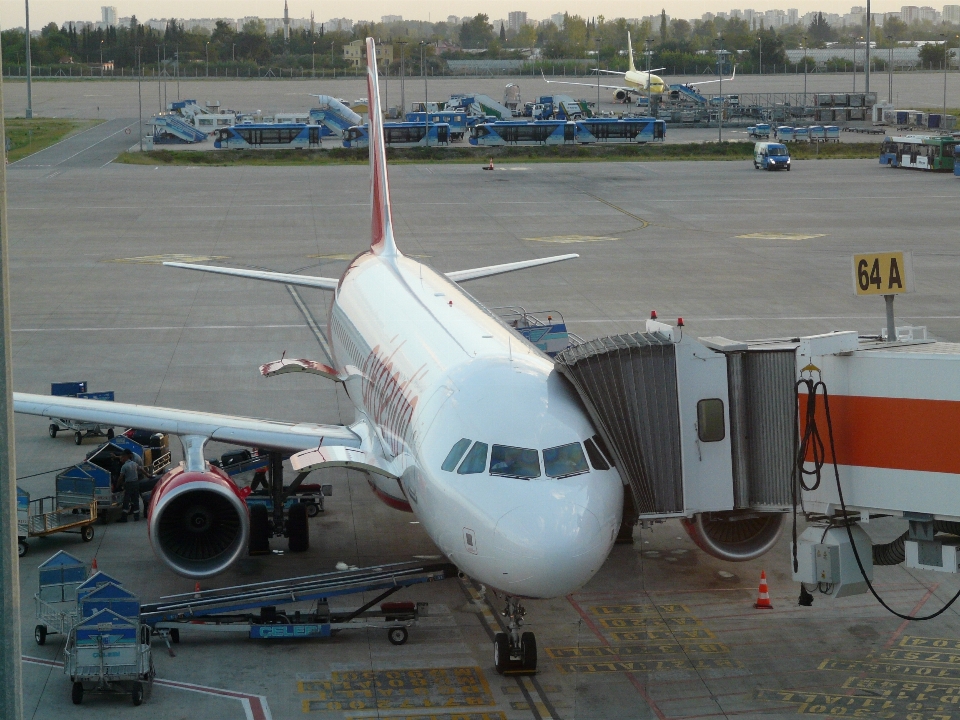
889	273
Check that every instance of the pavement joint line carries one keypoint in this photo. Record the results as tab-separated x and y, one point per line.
643	223
95	144
59	142
254	706
311	322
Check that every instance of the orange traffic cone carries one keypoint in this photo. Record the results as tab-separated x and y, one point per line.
196	590
763	599
489	165
93	567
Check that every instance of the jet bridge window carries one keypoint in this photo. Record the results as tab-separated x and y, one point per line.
456	452
514	462
476	460
710	425
564	461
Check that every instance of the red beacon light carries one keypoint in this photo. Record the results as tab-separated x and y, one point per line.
679	322
653	314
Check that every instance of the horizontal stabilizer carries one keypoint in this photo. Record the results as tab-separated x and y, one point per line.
285	278
225	428
340	457
461	275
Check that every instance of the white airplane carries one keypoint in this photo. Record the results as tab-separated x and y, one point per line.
458	419
641	81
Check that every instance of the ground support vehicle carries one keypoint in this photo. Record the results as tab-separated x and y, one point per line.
759	131
60	578
48	515
919	152
108	653
457	120
544	328
403	134
230	609
627	130
771	156
268	136
513	132
80	429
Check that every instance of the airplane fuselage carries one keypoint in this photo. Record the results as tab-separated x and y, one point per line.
429	370
645	82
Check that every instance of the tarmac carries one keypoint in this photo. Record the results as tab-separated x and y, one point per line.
663	630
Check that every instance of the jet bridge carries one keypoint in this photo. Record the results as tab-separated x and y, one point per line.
708	430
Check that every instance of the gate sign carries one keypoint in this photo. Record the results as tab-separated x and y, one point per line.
889	273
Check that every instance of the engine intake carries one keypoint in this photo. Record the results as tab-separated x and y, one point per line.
199	525
734	536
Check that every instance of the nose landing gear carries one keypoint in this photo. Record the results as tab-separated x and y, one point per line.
513	651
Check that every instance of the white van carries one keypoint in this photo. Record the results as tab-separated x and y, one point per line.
771	156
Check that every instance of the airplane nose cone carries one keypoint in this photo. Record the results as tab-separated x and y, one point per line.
554	546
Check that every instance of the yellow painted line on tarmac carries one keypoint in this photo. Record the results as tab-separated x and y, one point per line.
693	635
648	666
642	609
627	651
174	257
492	715
781	236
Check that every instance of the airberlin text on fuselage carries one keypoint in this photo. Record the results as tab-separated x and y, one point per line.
385	397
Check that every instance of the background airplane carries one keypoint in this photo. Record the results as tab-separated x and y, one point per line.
636	81
458	420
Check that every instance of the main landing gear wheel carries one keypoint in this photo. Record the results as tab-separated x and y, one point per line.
53	429
297	528
78	438
397	635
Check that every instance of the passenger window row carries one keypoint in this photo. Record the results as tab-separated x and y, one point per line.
524	463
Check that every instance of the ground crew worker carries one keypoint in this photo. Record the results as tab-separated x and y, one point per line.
130	473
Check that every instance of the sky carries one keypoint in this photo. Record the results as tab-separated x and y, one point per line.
43	12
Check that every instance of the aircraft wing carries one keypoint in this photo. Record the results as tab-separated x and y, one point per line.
707	82
462	275
593	85
225	428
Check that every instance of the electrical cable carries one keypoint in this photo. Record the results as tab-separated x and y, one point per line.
24	477
812	434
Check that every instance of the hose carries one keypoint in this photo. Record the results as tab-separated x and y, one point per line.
812	440
894	552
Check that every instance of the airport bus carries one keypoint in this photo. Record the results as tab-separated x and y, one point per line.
402	134
934	153
610	130
457	120
517	132
260	136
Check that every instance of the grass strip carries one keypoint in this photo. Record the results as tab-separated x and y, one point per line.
469	154
30	136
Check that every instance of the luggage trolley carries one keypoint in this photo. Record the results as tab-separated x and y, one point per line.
108	650
80	429
61	576
48	515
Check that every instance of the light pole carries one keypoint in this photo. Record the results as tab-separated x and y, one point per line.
403	99
760	40
720	73
101	58
866	48
855	64
313	62
207	48
159	99
140	97
233	52
177	71
29	113
598	75
890	72
804	73
426	96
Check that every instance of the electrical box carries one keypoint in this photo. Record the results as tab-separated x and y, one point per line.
825	559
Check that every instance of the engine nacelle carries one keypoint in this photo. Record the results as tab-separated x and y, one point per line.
199	524
621	95
735	536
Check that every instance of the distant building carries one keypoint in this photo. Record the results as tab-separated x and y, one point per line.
910	14
453	20
516	20
951	14
929	14
108	15
557	19
338	24
355	53
387	19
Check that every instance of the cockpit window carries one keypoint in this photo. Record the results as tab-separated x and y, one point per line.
596	457
564	461
514	462
456	452
476	460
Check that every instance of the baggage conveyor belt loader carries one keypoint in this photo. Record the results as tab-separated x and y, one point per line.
725	435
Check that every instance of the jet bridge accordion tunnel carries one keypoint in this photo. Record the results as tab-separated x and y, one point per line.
698	430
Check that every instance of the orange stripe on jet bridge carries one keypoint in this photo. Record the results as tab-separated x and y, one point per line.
894	433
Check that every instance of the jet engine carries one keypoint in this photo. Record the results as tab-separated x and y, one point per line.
621	95
199	523
735	536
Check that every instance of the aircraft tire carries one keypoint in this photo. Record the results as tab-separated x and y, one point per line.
501	652
528	651
259	530
297	528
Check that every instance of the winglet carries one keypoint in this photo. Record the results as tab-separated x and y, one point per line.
381	221
630	52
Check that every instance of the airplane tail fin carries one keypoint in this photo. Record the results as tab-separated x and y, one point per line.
630	52
381	223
